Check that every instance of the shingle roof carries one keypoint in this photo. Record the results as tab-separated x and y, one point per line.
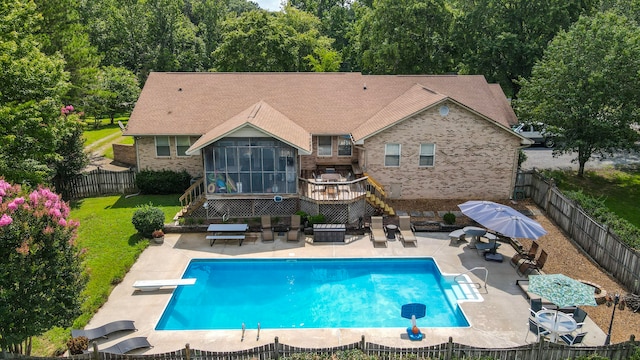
318	103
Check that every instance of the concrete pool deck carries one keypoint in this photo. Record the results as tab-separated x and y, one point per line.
500	321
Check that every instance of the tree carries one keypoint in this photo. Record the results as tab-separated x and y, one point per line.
72	158
581	88
263	41
405	37
31	87
502	39
116	90
40	266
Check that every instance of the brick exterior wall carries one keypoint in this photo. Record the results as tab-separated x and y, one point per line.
147	159
473	158
125	154
311	162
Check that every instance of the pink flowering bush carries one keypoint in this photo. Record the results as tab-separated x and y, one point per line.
40	265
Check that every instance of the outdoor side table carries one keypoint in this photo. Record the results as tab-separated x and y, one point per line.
391	231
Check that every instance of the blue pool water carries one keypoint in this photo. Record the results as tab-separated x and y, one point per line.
310	293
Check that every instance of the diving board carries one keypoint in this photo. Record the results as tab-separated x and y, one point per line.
152	285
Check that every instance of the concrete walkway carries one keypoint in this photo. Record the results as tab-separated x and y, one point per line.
501	320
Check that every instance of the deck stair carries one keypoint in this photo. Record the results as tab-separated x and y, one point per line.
376	196
192	199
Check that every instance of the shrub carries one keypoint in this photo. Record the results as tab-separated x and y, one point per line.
303	217
147	219
77	345
317	219
449	218
163	181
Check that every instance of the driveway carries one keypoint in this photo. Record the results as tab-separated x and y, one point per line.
542	158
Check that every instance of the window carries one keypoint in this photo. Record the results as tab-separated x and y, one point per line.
324	145
392	155
344	146
427	154
182	144
162	146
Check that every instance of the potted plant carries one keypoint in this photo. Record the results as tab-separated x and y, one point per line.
158	236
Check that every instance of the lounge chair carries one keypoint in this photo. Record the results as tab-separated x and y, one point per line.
267	230
378	235
127	345
528	255
406	231
538	264
573	340
294	230
104	330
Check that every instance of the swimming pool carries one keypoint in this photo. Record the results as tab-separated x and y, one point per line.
311	293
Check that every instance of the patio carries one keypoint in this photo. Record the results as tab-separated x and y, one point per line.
499	321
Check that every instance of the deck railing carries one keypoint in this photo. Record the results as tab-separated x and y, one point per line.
318	190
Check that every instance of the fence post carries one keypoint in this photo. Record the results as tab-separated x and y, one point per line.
96	355
276	348
540	347
362	344
449	355
187	351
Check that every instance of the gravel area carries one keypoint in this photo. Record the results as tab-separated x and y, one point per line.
564	257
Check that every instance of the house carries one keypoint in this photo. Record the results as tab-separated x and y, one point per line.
332	143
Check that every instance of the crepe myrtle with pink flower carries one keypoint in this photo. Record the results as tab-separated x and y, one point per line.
40	265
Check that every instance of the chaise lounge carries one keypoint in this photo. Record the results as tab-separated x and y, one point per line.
294	230
406	231
104	330
127	345
378	235
267	230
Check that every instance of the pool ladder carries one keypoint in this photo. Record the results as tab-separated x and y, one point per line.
486	275
244	328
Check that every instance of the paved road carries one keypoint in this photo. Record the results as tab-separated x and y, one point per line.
541	158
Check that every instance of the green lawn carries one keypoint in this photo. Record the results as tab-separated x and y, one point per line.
619	188
112	247
93	135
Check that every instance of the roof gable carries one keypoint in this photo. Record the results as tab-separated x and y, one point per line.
414	100
264	118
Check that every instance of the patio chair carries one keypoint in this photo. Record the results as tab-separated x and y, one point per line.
294	230
536	330
104	330
528	255
406	231
127	345
378	235
579	315
267	230
538	264
535	306
571	340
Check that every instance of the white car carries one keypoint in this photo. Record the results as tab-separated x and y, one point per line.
534	132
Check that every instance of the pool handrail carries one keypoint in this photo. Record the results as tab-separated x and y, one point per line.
486	275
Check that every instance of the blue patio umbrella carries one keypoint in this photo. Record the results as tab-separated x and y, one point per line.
502	219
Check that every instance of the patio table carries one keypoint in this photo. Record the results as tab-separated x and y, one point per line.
556	322
475	233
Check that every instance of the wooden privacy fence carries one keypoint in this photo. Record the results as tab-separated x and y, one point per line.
446	351
97	182
597	240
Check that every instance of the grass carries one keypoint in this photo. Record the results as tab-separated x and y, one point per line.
618	187
112	246
94	135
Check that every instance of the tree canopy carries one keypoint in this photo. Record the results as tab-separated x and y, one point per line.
581	87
